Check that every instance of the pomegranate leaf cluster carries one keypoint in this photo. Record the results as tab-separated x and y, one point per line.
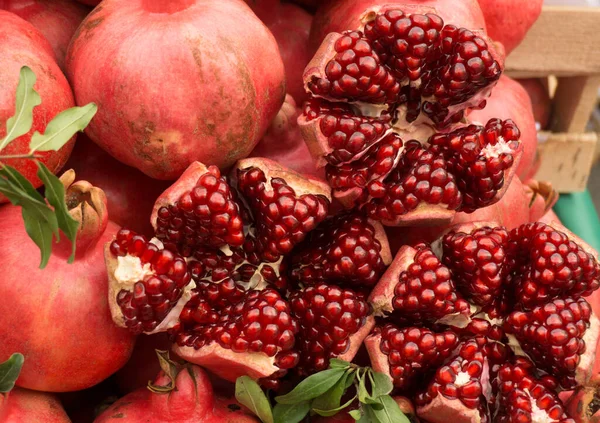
44	216
326	393
9	372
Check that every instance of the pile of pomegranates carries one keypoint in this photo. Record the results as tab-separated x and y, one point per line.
310	212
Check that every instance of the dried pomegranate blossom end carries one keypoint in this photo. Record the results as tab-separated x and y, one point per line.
150	280
239	320
328	316
425	290
207	215
413	353
344	249
281	217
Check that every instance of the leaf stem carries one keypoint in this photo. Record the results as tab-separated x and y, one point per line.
20	156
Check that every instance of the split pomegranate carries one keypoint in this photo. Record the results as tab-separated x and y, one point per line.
404	75
584	404
57	20
23	45
508	21
129	193
22	405
213	106
284	144
64	304
290	25
509	100
187	397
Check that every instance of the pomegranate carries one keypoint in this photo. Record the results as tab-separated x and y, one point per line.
290	25
584	405
211	107
509	20
22	44
57	20
66	298
540	100
130	193
184	397
284	144
22	405
542	198
370	101
509	100
341	15
90	2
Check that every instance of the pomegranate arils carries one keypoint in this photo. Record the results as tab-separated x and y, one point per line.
426	291
328	316
477	261
344	250
549	264
164	274
208	215
519	395
462	379
282	219
414	352
552	335
239	320
355	73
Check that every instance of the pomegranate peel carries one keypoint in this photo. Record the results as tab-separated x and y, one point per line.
583	405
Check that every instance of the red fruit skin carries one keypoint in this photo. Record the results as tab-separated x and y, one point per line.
90	2
509	20
342	15
290	25
283	142
57	20
129	192
207	96
22	44
540	100
193	401
509	100
22	405
58	317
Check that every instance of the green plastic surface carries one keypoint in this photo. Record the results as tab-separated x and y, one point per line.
577	212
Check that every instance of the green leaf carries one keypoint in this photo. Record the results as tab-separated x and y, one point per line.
312	387
331	399
26	99
355	414
62	128
381	384
55	194
368	415
40	220
363	394
248	393
291	413
9	372
334	411
336	363
389	412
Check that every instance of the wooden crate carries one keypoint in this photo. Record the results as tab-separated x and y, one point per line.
564	42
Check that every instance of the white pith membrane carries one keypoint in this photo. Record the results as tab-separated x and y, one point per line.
537	414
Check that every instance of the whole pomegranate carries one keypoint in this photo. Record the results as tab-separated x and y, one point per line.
342	15
130	194
284	144
58	317
21	44
22	405
186	397
214	105
509	20
540	100
57	20
90	2
290	24
510	100
385	118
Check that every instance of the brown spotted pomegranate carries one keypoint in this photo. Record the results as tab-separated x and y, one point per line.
383	119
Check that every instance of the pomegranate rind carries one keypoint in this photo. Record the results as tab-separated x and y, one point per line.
357	338
227	364
381	236
186	182
379	361
585	368
444	410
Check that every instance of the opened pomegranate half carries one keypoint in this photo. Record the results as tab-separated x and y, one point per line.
385	117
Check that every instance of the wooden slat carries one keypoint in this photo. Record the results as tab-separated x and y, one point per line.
574	101
566	159
564	41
